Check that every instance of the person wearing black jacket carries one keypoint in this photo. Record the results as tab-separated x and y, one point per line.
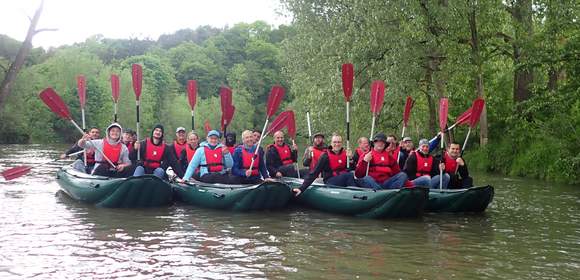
79	164
280	157
332	165
456	168
155	154
423	169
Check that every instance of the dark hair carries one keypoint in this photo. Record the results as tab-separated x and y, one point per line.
454	143
257	130
392	135
94	127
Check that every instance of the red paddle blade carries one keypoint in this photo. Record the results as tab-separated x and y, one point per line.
225	99
274	100
82	89
115	87
443	109
465	117
278	123
191	93
476	110
377	96
230	115
55	103
137	79
291	123
408	107
206	126
347	80
13	173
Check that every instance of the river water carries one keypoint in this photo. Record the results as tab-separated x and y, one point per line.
530	231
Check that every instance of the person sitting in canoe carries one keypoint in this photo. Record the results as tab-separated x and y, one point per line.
363	147
383	170
456	168
280	157
79	164
113	149
127	140
187	154
257	134
423	169
212	158
332	165
243	155
175	149
313	153
231	141
155	155
407	147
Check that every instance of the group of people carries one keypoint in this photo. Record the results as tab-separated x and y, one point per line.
383	163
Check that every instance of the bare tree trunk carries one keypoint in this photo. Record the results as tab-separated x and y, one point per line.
10	77
523	75
478	62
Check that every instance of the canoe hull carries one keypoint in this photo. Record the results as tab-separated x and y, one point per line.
264	196
133	192
366	203
474	199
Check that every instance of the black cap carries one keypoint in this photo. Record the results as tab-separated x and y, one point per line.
380	137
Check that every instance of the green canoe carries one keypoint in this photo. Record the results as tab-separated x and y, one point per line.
474	199
264	196
132	192
363	202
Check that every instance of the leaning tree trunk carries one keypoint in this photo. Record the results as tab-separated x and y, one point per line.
523	75
478	77
16	65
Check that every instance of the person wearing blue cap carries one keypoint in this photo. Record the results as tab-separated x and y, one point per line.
213	159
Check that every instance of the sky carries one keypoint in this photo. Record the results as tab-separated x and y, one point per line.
76	20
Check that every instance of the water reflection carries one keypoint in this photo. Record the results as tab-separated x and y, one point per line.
530	231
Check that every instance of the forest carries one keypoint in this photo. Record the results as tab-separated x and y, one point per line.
521	56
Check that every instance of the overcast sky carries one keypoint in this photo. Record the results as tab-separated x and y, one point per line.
77	20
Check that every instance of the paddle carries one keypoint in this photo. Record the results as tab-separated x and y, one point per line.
19	171
137	74
407	113
443	109
309	131
476	110
274	100
347	83
278	123
463	119
56	105
377	99
206	126
82	90
291	124
227	108
191	97
115	93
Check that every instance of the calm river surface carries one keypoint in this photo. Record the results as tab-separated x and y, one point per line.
530	231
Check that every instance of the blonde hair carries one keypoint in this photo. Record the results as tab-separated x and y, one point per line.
247	133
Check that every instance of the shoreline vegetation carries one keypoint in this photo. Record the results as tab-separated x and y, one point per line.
521	56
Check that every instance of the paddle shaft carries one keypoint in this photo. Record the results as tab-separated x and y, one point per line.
84	130
137	103
259	143
192	121
465	142
348	131
115	106
309	130
97	148
372	132
441	170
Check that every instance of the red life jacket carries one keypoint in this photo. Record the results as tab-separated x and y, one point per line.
380	166
450	164
316	153
90	153
178	147
396	153
129	146
359	152
112	151
189	152
232	149
247	161
285	153
337	162
424	164
153	154
213	159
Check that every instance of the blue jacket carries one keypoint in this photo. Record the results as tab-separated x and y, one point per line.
198	160
238	168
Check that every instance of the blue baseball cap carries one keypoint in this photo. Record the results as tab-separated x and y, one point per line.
213	133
